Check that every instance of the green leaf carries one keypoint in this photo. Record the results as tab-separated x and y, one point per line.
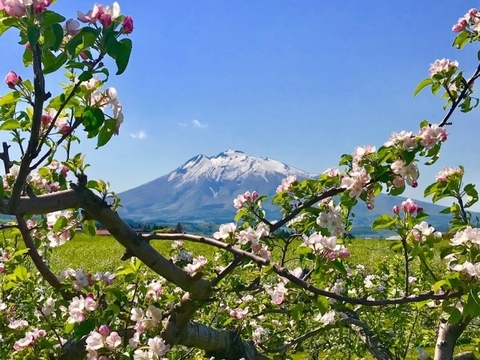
228	321
33	34
89	228
120	51
21	273
297	312
439	284
106	132
69	327
60	224
383	221
85	76
49	17
424	83
11	97
10	125
7	23
53	37
472	195
52	63
461	40
93	118
27	57
455	316
83	40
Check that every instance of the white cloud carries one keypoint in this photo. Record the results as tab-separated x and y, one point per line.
198	124
140	135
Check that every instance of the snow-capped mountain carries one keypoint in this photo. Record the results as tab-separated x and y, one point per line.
203	188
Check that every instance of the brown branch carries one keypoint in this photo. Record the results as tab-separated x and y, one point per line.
307	204
363	301
460	98
209	241
5	157
40	98
42	268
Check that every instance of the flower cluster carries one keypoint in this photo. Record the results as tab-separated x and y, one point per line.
29	339
61	236
18	8
408	206
79	306
103	338
253	236
330	218
469	20
326	246
286	183
442	66
422	231
447	173
104	99
81	280
105	15
242	199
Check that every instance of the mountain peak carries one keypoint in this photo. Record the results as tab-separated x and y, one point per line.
230	152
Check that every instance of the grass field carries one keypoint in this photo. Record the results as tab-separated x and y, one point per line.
103	253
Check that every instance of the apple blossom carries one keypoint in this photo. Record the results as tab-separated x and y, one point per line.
72	27
286	183
225	231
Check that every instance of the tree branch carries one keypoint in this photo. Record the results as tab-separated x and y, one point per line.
363	301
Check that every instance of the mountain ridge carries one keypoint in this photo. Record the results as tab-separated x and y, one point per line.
203	189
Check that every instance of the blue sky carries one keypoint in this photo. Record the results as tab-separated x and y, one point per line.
298	81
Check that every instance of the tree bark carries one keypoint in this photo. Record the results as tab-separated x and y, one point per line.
448	335
220	344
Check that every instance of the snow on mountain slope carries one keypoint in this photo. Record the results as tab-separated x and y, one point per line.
204	187
231	165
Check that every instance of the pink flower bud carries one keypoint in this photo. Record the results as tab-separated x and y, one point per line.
419	209
254	195
127	26
344	253
28	46
458	28
472	12
396	209
409	206
46	119
104	330
370	206
331	256
12	79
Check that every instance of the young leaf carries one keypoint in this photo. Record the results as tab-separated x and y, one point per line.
424	83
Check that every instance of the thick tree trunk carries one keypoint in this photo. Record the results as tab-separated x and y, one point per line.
220	344
448	335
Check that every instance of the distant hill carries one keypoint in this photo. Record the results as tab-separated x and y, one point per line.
202	191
